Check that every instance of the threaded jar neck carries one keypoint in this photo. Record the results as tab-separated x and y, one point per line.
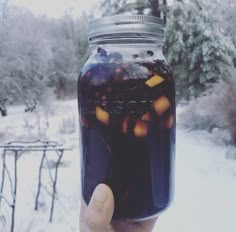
126	28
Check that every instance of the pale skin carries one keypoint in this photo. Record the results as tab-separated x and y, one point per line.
97	216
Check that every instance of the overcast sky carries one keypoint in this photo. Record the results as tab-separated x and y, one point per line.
56	8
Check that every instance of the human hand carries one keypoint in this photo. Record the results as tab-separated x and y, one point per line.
97	217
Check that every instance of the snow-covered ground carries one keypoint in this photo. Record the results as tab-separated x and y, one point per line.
205	195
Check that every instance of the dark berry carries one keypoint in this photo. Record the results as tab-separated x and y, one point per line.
150	53
102	52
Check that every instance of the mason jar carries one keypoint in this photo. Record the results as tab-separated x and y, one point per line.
126	98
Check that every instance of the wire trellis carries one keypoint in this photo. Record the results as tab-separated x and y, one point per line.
19	148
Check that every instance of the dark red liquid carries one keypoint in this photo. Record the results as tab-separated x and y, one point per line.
127	120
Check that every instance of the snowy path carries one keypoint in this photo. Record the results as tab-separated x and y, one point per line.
205	195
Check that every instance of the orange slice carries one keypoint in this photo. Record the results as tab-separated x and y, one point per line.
125	125
140	129
161	105
155	80
146	117
102	115
169	122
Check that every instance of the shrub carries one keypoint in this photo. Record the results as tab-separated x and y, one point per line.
230	107
68	124
215	109
196	117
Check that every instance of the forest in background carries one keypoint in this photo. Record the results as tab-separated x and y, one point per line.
40	57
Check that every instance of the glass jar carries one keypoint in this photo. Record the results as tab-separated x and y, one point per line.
126	96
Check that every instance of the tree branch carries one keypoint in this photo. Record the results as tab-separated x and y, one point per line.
5	199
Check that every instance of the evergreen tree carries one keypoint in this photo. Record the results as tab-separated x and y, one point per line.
197	49
156	8
227	19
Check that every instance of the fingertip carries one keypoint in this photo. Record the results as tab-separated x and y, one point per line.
103	189
101	194
100	209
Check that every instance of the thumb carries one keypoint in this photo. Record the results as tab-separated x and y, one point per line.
100	209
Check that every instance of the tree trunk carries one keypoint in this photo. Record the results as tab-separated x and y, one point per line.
154	5
164	12
3	111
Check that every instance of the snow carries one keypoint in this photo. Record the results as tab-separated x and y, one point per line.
205	185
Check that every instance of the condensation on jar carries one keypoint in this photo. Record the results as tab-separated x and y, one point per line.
126	98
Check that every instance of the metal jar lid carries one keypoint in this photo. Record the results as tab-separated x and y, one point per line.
126	24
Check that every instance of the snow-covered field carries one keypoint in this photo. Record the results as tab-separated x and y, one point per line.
205	195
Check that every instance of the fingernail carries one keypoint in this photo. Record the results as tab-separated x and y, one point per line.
100	195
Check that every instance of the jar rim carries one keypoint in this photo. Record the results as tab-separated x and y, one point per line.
137	25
